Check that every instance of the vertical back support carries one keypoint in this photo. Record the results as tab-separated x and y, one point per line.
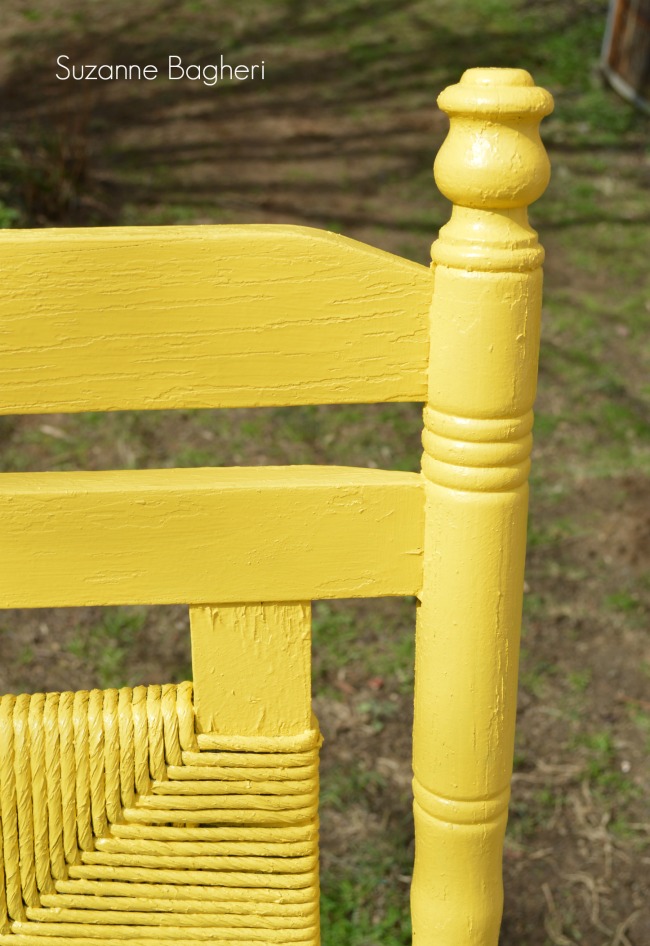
265	693
485	323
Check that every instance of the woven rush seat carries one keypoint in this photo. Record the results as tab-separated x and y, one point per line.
120	822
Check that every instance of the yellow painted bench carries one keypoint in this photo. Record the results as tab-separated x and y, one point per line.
189	813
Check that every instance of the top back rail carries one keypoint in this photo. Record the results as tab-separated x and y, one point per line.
204	317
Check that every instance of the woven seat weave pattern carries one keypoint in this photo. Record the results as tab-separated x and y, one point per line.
119	822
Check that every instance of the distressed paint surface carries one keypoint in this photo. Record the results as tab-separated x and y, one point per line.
207	316
240	655
195	535
197	821
485	317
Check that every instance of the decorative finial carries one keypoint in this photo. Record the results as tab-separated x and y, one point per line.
492	165
493	157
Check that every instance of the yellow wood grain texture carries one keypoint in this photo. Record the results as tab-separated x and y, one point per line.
224	316
198	822
199	535
239	653
483	368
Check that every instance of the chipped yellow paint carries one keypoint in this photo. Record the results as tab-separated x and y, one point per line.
239	653
166	814
199	535
228	316
485	323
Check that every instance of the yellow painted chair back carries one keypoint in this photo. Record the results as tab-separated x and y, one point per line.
189	813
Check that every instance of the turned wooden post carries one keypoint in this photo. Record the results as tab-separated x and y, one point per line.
485	322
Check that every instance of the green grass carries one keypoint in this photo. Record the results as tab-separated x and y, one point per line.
641	718
348	782
579	680
535	677
363	904
527	815
601	769
104	647
377	645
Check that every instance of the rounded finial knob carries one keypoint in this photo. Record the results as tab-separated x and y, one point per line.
493	157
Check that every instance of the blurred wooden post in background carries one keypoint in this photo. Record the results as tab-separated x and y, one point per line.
485	323
625	58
